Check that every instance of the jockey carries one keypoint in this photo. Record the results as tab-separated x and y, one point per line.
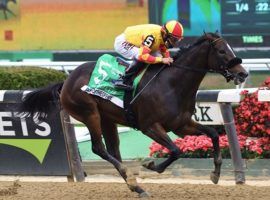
146	43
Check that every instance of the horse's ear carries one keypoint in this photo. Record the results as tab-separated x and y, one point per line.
204	32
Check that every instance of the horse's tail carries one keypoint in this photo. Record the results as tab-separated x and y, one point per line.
38	103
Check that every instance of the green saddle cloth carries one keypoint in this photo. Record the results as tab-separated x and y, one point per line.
106	71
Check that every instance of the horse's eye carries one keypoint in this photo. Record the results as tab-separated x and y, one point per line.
221	51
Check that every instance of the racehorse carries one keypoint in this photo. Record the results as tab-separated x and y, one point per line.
166	104
4	7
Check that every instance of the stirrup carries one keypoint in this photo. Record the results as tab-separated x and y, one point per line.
122	86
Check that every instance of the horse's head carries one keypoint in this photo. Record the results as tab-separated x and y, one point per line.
222	59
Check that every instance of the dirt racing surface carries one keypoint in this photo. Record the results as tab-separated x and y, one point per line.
67	191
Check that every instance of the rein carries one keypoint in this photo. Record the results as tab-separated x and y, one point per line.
193	69
223	69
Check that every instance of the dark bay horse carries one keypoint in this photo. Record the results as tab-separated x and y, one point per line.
167	104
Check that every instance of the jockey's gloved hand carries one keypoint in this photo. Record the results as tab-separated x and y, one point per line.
167	61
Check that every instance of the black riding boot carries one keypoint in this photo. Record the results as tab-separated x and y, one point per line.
125	81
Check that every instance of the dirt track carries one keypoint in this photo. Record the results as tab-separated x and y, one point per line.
68	191
103	182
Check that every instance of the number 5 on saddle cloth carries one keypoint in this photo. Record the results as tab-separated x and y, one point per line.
107	71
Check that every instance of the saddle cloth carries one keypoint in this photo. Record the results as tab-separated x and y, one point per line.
107	70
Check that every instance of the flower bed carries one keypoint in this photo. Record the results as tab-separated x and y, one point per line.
201	147
252	119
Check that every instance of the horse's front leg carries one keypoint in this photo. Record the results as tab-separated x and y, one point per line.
212	133
159	135
195	128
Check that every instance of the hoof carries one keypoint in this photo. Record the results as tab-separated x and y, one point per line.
214	177
240	182
149	165
144	195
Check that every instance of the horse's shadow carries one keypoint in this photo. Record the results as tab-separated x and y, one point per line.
5	9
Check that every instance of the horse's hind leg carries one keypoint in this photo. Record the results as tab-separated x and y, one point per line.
198	129
93	123
110	135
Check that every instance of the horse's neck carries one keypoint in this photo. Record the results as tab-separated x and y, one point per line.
186	81
190	80
179	80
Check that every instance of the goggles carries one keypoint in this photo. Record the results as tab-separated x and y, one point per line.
174	39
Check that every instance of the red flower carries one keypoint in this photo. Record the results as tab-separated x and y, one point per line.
244	92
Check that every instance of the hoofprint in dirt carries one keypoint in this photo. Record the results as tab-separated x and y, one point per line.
86	190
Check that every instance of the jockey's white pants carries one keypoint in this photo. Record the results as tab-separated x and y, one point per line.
125	49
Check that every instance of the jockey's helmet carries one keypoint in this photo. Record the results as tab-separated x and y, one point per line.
173	33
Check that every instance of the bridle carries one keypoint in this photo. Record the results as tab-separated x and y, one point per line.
222	69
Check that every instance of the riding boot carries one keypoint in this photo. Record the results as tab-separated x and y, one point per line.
125	81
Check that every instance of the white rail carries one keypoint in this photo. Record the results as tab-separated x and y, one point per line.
257	64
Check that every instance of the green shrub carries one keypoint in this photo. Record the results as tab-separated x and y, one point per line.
18	78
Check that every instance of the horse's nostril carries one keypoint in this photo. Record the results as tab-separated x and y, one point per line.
243	74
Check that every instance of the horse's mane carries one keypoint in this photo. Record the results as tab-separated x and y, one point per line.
199	41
